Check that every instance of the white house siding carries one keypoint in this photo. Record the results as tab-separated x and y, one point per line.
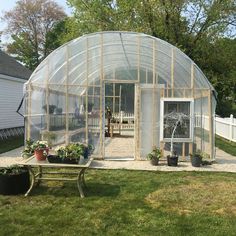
11	92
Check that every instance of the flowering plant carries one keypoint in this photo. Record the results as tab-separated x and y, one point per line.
72	151
39	145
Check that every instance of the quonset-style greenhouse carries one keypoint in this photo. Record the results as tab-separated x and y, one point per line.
138	78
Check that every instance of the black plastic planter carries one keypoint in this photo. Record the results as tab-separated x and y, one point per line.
54	159
12	184
196	160
172	160
155	161
70	161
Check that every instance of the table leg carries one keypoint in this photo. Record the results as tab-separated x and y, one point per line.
32	180
39	175
83	179
80	181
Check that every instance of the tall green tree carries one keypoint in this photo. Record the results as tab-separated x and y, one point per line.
198	27
173	20
28	23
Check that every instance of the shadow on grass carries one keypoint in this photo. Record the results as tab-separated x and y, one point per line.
69	189
102	190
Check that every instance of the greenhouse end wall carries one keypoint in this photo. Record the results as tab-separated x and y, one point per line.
65	94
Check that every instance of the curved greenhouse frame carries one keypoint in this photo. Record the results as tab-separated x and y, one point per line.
65	95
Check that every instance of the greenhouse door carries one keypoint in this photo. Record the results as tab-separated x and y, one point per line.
147	125
119	121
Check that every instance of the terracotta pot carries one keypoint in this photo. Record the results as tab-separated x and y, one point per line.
39	154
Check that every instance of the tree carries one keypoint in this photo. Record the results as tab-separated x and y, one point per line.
197	27
180	22
28	23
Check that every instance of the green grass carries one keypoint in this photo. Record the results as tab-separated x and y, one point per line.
121	202
225	145
11	143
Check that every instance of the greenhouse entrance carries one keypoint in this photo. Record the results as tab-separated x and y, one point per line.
119	121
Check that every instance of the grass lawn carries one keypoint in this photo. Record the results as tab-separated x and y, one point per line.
225	145
12	143
121	202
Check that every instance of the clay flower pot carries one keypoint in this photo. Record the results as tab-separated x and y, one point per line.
40	154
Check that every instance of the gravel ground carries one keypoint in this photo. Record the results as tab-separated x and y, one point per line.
224	163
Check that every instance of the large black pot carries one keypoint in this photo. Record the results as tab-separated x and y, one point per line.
172	160
12	184
196	160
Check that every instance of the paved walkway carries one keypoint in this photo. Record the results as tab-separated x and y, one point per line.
119	147
224	163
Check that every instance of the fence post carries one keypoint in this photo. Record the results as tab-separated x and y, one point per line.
121	116
231	122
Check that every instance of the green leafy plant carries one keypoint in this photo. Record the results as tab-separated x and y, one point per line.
200	154
28	150
12	170
70	151
156	153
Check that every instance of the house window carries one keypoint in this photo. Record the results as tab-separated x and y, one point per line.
176	112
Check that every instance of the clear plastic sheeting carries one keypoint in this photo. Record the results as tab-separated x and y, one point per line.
66	94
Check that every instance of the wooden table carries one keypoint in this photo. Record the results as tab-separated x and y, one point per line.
77	170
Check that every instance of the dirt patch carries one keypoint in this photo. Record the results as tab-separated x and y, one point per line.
213	197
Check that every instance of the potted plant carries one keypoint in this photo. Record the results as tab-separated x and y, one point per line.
40	149
155	155
14	180
70	153
196	158
28	150
174	119
199	158
172	160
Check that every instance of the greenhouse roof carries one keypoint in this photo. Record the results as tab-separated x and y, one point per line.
118	56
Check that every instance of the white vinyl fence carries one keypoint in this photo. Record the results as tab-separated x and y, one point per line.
224	127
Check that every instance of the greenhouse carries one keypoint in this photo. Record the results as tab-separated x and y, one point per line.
119	91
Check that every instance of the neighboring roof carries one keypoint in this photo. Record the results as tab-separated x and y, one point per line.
9	66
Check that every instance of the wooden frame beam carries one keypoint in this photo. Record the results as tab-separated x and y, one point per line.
211	133
172	70
67	96
102	97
